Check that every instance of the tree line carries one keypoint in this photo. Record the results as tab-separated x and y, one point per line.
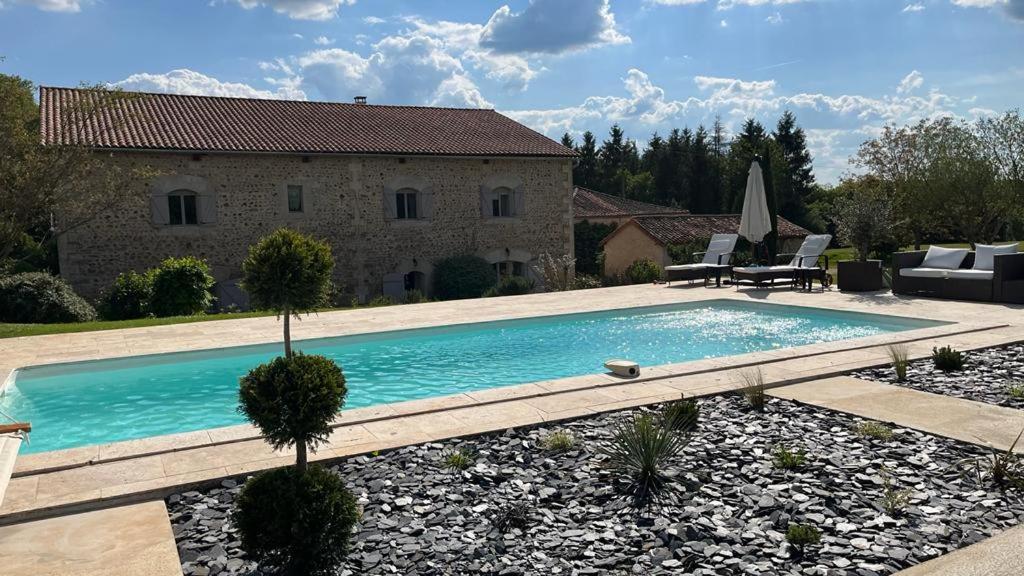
703	171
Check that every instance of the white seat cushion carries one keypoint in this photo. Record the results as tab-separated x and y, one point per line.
984	254
720	245
923	272
965	274
686	267
944	258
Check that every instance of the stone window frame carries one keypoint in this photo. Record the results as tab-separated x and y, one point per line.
159	209
510	256
493	186
310	191
403	184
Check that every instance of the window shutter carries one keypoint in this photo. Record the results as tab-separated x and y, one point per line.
426	204
519	199
207	208
390	209
158	209
485	203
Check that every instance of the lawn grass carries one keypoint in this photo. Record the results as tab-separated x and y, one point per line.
15	330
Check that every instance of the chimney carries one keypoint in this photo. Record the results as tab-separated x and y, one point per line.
360	99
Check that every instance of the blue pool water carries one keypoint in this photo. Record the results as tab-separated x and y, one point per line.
103	401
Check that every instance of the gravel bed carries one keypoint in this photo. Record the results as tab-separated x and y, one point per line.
986	377
729	516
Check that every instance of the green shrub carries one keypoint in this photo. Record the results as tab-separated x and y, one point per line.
293	401
181	287
800	536
559	441
510	286
643	271
41	298
947	359
786	459
415	296
1015	389
465	276
753	389
876	430
1004	468
640	450
894	500
458	460
586	281
379	301
900	360
296	522
681	415
128	297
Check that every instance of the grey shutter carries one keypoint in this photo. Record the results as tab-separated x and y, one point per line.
158	209
207	208
426	204
390	210
485	203
519	200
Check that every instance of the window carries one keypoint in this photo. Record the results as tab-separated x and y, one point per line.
405	204
181	208
294	198
501	203
508	268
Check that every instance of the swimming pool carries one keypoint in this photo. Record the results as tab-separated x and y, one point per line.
84	403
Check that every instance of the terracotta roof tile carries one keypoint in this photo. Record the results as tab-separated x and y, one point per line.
690	228
146	121
588	203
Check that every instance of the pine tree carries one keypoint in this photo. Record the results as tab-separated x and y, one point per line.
585	172
612	162
567	141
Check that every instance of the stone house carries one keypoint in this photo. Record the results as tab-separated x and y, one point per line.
392	189
650	237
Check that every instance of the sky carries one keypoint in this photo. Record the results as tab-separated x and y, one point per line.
846	68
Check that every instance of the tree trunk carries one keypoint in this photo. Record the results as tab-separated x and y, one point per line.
300	457
287	333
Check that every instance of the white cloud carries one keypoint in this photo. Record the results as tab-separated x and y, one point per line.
916	7
300	9
323	41
373	20
774	18
910	82
724	23
551	26
51	5
184	81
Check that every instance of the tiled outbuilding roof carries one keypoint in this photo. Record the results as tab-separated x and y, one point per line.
145	121
690	228
588	203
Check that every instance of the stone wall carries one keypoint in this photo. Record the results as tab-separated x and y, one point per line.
245	197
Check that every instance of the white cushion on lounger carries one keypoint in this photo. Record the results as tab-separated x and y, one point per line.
720	245
984	254
811	249
944	258
924	272
686	267
971	274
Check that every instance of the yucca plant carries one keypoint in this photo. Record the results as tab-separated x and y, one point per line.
899	355
512	515
640	450
753	389
559	441
681	415
786	459
947	359
458	460
800	536
1004	468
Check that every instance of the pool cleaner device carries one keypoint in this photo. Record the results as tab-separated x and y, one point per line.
626	368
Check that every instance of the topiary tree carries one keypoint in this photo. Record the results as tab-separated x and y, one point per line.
643	271
128	297
464	276
289	273
292	400
39	297
181	287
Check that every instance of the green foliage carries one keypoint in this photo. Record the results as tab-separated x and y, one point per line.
299	523
181	286
786	459
640	450
871	429
587	237
458	459
894	500
643	271
1004	468
128	297
379	301
586	281
947	359
510	286
559	441
753	389
465	276
800	536
683	253
293	400
41	298
899	355
681	415
288	272
415	296
864	215
1015	390
512	515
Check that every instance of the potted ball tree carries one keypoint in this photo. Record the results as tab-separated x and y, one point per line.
864	219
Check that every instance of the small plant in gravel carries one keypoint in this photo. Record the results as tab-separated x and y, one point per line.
559	441
1015	389
1004	468
786	459
800	536
681	415
947	359
753	389
640	450
899	355
512	515
872	429
458	460
894	500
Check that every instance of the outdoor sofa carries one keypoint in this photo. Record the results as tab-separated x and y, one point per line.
713	261
989	274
